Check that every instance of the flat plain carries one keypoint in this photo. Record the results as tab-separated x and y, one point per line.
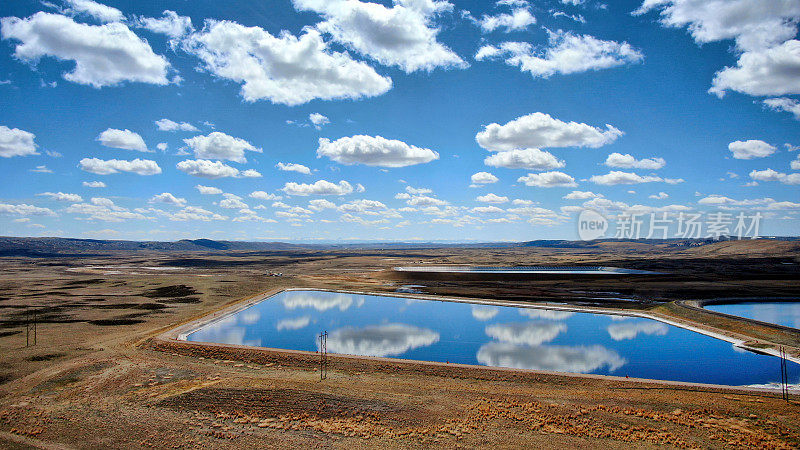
99	376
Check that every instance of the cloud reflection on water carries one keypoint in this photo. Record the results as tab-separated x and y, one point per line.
623	331
380	340
558	358
321	301
527	333
549	314
484	312
293	324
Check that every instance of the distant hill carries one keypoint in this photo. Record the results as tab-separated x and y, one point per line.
24	246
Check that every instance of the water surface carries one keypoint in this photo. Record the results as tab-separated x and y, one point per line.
780	313
500	336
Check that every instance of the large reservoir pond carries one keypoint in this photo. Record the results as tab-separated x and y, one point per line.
499	336
780	313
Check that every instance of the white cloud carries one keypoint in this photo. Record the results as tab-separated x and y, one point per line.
629	162
208	190
566	53
540	130
750	149
94	184
293	324
528	158
104	209
424	200
548	179
250	173
380	340
321	187
784	104
374	151
168	198
16	142
41	169
321	204
194	213
483	178
769	57
581	195
518	19
107	167
659	196
62	197
104	55
101	12
492	198
124	139
169	125
616	177
220	146
318	120
288	69
170	24
232	201
23	209
772	175
487	210
261	195
795	165
211	169
401	36
292	167
162	146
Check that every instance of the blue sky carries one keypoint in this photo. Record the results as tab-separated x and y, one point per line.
459	120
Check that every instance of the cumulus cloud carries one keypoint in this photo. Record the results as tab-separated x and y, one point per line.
107	167
94	184
380	340
483	178
220	146
232	201
627	161
528	158
769	56
577	359
616	177
23	209
193	213
659	196
288	69
751	149
208	190
402	36
773	175
318	120
321	187
124	139
292	167
168	198
169	125
424	200
518	19
492	198
548	180
629	331
321	204
104	55
374	151
62	196
16	142
581	195
261	195
540	130
170	24
104	209
213	169
103	13
565	53
784	104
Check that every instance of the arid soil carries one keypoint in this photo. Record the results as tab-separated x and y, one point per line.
95	379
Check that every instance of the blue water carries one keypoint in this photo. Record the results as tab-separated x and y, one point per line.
491	335
780	313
